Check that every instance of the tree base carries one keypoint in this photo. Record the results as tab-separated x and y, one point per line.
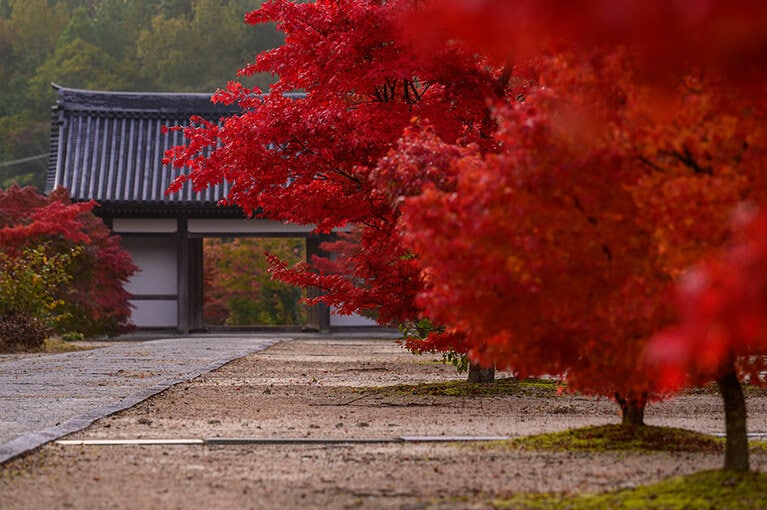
736	446
481	375
632	408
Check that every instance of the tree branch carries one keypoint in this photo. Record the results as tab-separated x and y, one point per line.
688	160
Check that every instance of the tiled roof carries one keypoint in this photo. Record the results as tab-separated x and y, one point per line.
109	146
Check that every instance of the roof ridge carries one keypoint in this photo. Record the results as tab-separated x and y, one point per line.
195	103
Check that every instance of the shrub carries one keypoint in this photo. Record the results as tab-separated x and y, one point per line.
21	332
93	301
29	307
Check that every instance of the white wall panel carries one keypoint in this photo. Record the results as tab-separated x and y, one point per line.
144	226
157	261
150	313
350	320
244	226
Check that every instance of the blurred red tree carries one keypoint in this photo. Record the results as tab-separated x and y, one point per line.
662	147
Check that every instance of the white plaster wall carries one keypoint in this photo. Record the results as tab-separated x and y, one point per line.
354	320
155	313
202	226
145	225
156	259
157	275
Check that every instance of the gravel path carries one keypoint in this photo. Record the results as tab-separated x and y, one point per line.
48	396
328	396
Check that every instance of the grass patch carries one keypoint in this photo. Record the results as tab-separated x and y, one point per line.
617	437
53	345
749	389
757	446
57	345
700	491
501	387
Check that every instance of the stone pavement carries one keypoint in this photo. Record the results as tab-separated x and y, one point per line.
45	397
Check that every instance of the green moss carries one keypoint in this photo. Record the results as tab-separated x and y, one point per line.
705	490
52	345
57	345
758	446
620	437
501	387
750	390
429	362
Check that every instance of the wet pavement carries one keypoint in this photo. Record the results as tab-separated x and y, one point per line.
45	397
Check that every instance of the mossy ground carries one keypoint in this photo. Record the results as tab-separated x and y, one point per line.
57	345
53	345
501	387
621	437
706	490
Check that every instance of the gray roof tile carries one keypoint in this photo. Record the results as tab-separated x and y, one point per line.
109	146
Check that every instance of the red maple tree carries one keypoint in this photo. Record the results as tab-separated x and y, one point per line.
95	301
667	155
551	243
550	273
721	335
321	160
729	36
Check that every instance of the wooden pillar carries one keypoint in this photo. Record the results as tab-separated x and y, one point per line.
182	281
195	283
319	315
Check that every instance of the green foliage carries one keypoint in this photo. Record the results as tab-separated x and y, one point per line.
169	48
21	136
153	45
459	360
29	306
72	336
29	282
700	491
239	291
79	64
420	330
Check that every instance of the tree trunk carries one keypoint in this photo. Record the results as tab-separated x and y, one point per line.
736	448
632	408
478	374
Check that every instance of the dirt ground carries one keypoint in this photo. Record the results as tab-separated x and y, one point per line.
330	390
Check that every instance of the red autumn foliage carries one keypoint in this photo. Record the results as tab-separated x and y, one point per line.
315	161
95	298
728	37
692	115
536	254
573	233
25	216
552	242
723	302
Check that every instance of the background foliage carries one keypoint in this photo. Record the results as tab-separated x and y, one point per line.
236	272
29	283
151	45
59	266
